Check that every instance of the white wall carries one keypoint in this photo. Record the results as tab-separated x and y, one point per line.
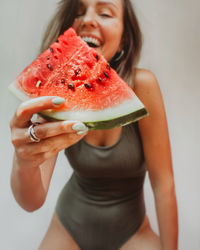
171	51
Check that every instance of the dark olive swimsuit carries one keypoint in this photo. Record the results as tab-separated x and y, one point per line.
102	205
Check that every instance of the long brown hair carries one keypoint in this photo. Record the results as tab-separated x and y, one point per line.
131	42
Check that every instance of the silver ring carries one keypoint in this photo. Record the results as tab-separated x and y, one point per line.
31	132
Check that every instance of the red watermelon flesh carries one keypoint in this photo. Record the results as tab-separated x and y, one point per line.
73	70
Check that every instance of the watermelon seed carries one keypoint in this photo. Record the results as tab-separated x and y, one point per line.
87	85
106	75
70	86
77	71
38	84
49	66
108	66
47	58
65	42
63	81
97	57
59	50
51	50
100	79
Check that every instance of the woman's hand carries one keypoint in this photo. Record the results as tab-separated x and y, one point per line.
54	136
34	160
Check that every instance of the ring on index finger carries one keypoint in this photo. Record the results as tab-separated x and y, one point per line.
31	132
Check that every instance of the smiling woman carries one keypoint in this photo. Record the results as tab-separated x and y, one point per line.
102	205
131	40
103	21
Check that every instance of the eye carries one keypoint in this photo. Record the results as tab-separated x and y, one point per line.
80	11
79	15
105	12
105	15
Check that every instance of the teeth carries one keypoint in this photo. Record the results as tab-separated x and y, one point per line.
91	40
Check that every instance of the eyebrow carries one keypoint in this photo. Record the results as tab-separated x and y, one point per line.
102	2
107	2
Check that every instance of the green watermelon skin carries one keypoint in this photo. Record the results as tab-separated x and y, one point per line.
115	119
108	124
66	69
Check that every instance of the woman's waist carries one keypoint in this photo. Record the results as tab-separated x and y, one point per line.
108	190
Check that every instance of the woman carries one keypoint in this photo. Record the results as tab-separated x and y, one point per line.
102	205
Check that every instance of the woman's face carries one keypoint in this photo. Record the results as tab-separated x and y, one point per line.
100	24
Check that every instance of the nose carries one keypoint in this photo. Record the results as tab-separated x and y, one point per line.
89	19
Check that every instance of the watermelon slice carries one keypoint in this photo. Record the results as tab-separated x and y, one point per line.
94	92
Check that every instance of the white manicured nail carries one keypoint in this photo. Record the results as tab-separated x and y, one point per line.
81	132
79	126
58	100
69	122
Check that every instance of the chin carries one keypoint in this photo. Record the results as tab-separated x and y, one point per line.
106	56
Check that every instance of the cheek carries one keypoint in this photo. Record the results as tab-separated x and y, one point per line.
75	24
114	28
114	34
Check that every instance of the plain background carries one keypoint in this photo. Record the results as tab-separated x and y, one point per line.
171	50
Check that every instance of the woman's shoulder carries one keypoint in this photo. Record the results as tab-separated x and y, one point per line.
147	89
143	78
146	86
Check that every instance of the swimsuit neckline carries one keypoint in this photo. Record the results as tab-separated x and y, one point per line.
105	147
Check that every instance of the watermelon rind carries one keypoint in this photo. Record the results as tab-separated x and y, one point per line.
122	114
18	93
119	121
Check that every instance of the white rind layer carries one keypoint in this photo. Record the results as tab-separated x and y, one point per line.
19	94
123	109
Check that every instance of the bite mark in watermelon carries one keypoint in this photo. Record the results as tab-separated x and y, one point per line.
94	92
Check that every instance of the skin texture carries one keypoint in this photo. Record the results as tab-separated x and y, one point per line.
33	163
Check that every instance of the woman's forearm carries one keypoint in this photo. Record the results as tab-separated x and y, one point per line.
166	209
26	184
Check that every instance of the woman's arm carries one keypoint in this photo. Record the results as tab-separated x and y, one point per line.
30	183
33	162
156	144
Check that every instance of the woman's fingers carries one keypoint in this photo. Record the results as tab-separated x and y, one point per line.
48	147
43	131
26	110
47	130
39	142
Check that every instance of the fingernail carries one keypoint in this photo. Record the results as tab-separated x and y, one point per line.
81	132
79	126
68	122
58	100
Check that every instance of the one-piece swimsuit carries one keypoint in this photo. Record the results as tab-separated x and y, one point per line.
102	204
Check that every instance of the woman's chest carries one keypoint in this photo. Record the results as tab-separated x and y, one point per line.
103	138
121	159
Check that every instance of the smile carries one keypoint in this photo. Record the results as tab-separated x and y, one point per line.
91	41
